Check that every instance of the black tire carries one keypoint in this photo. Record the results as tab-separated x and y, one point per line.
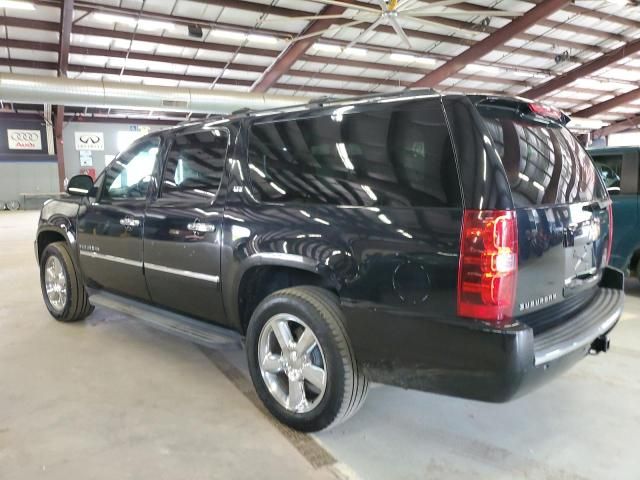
346	385
77	304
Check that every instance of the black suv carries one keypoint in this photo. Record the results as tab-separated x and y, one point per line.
453	244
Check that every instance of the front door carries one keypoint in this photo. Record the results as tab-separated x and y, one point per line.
110	229
183	226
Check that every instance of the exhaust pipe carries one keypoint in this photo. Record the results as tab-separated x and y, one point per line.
600	344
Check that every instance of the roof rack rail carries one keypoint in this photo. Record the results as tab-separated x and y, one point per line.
242	111
322	100
409	92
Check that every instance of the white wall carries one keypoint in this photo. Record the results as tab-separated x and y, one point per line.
626	139
110	131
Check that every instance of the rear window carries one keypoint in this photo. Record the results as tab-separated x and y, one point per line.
544	162
610	167
384	155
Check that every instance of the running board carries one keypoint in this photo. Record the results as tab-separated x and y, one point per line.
196	331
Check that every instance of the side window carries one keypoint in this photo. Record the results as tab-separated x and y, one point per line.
195	165
610	168
391	154
129	175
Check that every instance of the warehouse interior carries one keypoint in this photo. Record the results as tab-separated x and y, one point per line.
111	398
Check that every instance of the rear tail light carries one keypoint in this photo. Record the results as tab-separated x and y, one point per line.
488	265
610	242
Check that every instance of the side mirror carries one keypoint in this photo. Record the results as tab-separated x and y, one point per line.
80	185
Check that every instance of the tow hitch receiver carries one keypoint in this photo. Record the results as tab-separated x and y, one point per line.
600	344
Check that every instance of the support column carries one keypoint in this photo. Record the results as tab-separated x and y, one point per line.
57	130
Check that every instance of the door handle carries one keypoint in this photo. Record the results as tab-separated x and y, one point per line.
198	227
129	222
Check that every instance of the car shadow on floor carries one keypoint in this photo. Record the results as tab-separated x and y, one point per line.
632	287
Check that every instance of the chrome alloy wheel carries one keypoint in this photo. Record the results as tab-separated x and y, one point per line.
55	283
292	363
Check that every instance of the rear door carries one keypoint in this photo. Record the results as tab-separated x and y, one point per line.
562	209
183	226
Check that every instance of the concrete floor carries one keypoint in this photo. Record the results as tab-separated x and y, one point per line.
110	398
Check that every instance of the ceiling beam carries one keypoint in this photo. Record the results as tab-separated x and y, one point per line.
490	43
609	104
144	37
66	22
630	123
105	33
554	42
89	8
584	70
556	25
235	66
451	39
295	50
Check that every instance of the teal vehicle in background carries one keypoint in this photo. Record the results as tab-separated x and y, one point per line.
619	167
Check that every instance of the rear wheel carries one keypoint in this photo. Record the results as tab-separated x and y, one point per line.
300	359
64	294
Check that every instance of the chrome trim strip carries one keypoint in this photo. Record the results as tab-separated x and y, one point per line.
111	258
582	340
182	273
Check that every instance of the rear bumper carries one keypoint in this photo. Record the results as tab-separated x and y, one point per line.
471	359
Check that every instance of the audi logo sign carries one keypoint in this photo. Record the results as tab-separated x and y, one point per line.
89	141
24	139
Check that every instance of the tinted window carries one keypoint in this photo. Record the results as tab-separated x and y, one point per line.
195	165
392	154
544	163
610	167
129	175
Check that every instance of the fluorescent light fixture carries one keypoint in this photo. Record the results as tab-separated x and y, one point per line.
474	67
17	5
402	57
327	47
143	24
406	58
253	37
522	73
109	18
228	34
425	60
151	25
361	52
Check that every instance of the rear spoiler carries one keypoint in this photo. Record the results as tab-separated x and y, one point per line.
525	108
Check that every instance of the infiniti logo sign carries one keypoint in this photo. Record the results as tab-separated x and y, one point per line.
89	141
92	139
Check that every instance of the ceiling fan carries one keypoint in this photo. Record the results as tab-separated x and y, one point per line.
391	11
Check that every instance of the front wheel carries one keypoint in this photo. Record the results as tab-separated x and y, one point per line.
62	289
301	361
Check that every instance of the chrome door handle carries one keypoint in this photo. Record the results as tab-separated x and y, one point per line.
198	227
129	222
